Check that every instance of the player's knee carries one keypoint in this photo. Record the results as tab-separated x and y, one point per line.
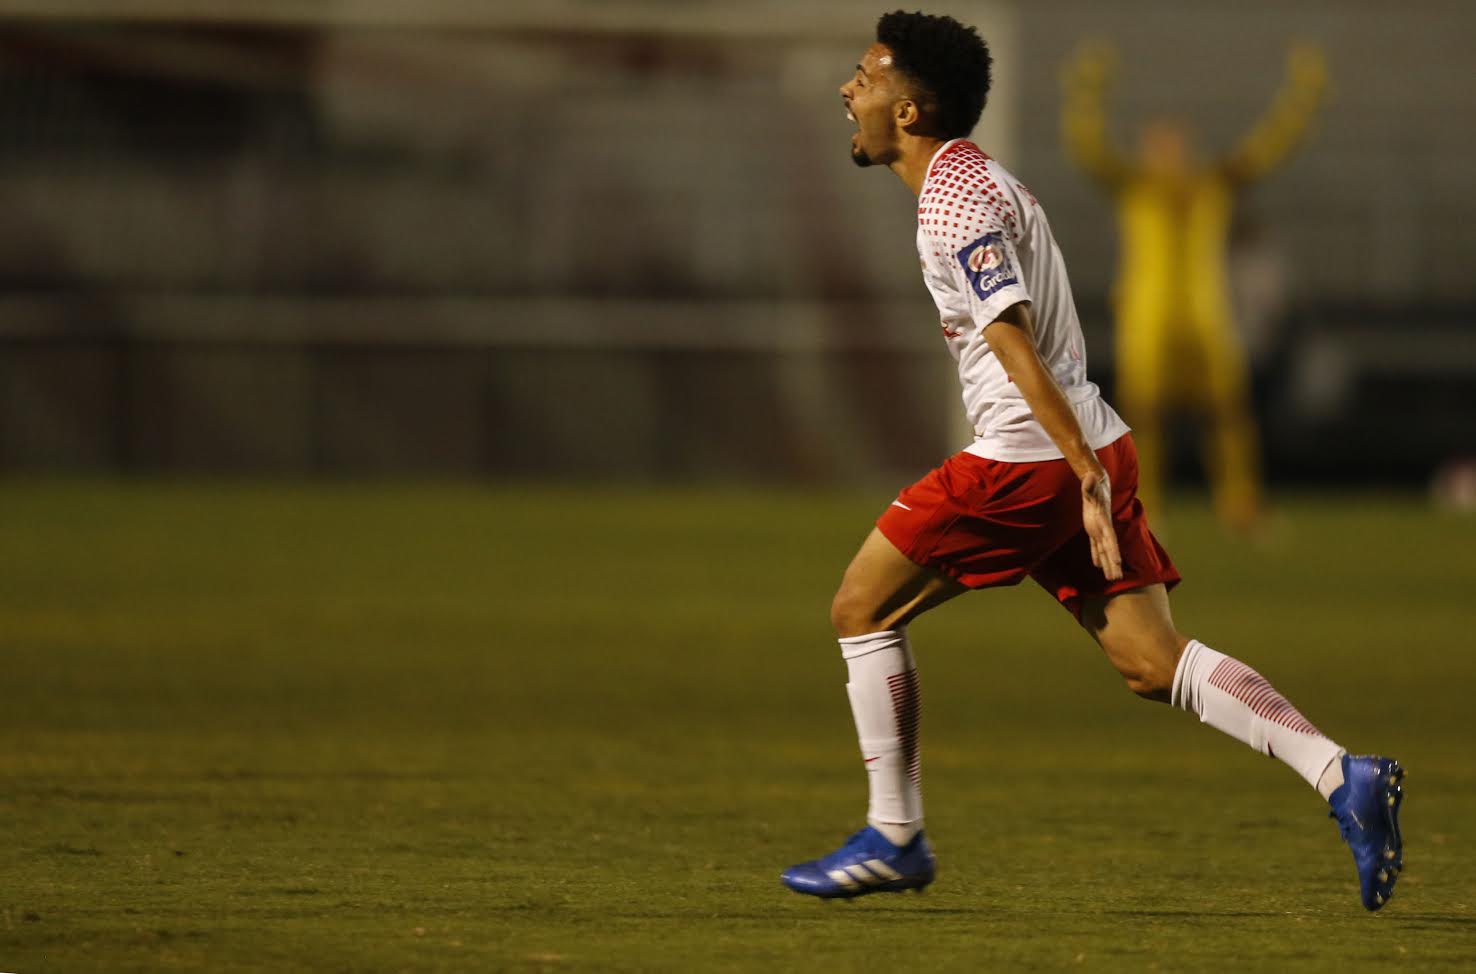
851	614
1151	674
1150	683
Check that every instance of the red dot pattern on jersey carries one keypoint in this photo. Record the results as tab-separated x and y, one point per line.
961	201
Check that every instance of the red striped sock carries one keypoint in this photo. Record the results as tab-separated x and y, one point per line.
1230	696
887	706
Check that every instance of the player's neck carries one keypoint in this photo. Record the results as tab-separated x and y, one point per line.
911	164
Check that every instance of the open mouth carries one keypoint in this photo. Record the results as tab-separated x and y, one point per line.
856	132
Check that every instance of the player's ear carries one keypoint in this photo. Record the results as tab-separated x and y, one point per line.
905	113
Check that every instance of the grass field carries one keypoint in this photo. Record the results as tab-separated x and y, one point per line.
453	728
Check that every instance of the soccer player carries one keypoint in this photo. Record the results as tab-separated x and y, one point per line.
1176	340
1045	491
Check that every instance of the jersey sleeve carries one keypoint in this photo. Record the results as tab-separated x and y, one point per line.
988	272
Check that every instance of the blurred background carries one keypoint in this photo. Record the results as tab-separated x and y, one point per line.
350	619
623	240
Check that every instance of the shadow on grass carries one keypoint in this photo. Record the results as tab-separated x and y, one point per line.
1199	914
1404	919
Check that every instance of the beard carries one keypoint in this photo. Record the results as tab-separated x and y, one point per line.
859	157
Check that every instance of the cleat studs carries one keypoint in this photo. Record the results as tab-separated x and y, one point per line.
1390	801
1388	853
1379	898
1383	875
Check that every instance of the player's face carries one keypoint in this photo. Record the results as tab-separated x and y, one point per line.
1166	147
870	97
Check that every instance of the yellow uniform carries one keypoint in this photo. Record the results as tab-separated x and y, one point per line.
1175	338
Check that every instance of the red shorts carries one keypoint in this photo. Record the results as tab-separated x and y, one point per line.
990	522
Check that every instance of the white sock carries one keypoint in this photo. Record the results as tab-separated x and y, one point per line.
1230	696
887	707
1332	777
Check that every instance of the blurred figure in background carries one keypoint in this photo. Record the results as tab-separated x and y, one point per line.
1175	338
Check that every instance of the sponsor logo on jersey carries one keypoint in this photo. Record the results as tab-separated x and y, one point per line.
986	258
987	265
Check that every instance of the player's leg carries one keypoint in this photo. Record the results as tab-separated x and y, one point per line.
883	589
1136	631
972	523
1139	638
1233	447
881	592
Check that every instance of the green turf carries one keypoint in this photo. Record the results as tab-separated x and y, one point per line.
386	728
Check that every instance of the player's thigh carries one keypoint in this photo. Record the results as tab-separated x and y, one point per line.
883	589
1143	338
1136	631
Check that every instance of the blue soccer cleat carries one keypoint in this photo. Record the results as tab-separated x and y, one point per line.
1366	806
867	863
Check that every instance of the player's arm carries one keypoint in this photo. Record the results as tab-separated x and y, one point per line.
1084	83
1272	138
1012	339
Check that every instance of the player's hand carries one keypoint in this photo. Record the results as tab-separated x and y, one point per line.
1096	517
1306	65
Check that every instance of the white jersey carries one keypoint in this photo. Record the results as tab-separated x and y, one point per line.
985	245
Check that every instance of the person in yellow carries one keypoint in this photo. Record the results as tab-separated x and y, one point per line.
1175	338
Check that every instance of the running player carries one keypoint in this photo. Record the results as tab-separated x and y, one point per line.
1045	491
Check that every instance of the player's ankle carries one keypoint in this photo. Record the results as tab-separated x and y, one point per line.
1332	776
897	833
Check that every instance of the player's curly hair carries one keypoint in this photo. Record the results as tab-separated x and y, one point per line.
948	60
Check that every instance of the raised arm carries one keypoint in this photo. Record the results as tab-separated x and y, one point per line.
1012	339
1084	83
1278	131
